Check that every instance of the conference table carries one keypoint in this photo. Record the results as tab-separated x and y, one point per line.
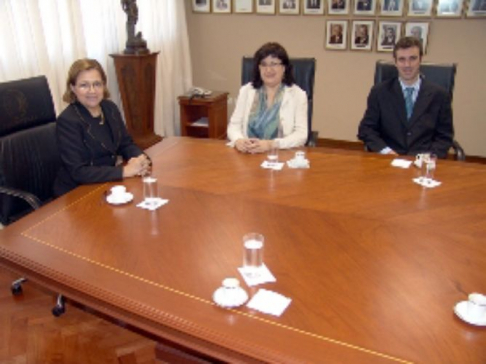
374	263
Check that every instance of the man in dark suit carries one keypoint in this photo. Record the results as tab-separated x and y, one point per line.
361	36
313	4
289	4
338	4
363	5
336	34
389	37
407	114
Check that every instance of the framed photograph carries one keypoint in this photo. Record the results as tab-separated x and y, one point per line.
362	35
449	8
291	7
388	34
476	8
244	6
338	7
313	7
420	7
201	6
265	6
392	7
419	31
336	34
364	7
221	6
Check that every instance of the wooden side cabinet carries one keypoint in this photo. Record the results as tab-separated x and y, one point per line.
204	117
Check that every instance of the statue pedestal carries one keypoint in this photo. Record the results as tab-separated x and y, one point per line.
136	74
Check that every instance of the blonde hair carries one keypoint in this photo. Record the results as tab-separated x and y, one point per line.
77	67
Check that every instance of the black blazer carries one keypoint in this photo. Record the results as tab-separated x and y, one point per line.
85	159
385	122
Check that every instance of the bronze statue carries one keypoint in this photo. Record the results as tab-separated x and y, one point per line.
135	43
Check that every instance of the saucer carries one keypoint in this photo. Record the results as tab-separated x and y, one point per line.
230	297
461	310
119	201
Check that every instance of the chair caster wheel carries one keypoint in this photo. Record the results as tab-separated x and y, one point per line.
16	289
58	311
60	307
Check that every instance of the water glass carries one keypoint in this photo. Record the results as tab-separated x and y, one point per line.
150	192
253	253
429	163
272	155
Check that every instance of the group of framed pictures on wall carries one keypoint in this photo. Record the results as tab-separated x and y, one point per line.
425	8
362	34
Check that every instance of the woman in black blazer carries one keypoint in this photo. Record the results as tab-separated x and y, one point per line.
91	133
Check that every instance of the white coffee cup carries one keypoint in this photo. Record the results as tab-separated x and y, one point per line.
300	156
118	192
476	307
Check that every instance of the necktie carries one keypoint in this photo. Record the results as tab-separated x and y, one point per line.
409	101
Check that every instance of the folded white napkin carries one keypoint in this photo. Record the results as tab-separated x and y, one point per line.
264	276
269	302
148	206
401	163
274	166
429	184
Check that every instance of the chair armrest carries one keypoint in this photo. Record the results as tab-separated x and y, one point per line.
460	155
312	142
31	199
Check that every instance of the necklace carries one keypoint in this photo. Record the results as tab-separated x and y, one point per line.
102	121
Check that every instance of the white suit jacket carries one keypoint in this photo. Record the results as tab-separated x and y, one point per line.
293	116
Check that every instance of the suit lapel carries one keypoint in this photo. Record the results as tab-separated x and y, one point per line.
421	104
109	119
398	101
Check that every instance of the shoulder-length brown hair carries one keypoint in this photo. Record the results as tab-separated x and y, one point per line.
77	67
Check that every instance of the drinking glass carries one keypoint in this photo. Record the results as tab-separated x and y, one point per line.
272	154
253	253
150	192
429	163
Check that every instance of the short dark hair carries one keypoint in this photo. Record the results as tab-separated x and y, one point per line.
408	42
275	50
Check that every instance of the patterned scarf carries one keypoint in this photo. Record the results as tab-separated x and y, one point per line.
263	122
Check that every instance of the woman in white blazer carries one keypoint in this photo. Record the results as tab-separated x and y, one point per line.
271	109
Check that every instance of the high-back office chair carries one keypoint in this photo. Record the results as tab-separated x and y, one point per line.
29	158
304	74
440	74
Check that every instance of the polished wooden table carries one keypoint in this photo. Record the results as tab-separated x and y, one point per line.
374	263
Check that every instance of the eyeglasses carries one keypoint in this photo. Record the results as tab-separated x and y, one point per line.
86	86
271	65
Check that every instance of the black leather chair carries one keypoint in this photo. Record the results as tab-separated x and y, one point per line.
440	74
304	74
29	158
